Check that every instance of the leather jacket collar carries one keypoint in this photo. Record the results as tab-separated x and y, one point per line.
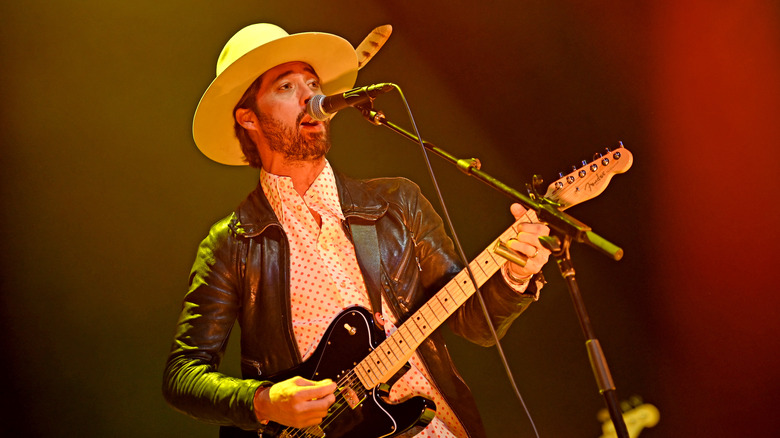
255	214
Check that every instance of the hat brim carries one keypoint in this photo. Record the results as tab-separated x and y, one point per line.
333	59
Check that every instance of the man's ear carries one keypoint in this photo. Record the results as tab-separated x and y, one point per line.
246	118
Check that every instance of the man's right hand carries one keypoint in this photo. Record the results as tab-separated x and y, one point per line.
295	402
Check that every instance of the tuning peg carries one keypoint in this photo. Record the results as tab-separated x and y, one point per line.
617	154
594	167
558	182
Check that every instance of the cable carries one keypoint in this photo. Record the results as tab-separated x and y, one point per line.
465	261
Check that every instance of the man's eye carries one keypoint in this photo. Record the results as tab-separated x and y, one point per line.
285	86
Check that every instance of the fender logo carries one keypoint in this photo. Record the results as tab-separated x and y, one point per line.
599	177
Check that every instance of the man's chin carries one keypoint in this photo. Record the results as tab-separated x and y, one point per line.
310	153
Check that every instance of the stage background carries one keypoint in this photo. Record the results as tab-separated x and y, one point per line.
105	196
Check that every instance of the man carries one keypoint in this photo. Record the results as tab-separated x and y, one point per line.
292	256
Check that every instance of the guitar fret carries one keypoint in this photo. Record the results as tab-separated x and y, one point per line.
499	261
407	326
392	342
438	309
446	300
402	343
458	294
484	261
380	362
376	367
356	372
416	320
479	273
493	262
464	283
362	375
430	314
427	315
389	351
384	359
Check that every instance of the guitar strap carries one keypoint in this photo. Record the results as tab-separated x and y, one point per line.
366	244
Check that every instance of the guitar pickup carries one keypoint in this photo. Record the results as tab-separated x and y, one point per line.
350	397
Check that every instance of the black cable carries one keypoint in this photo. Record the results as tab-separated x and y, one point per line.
465	261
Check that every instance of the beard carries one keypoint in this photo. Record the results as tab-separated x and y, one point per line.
291	143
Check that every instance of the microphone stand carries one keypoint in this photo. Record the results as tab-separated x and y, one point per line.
565	229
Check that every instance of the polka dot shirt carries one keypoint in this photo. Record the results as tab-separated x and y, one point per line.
325	279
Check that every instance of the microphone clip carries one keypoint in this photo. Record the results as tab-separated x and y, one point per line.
368	112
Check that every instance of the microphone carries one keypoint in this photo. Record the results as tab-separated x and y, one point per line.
321	107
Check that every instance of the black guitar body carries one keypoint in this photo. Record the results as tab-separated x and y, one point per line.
357	413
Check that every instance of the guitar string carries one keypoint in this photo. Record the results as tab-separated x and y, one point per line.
311	430
347	380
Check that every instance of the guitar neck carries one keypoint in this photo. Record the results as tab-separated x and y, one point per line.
383	362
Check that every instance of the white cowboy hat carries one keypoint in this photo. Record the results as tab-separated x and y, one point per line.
248	54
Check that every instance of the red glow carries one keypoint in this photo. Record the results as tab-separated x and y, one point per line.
716	102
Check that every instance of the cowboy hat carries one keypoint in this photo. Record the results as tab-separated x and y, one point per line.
251	52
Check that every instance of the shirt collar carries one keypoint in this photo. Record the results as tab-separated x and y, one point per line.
322	196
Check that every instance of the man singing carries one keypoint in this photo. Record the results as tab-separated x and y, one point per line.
289	260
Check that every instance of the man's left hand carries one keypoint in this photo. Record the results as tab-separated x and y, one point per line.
527	244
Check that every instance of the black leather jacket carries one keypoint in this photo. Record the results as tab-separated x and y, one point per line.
241	273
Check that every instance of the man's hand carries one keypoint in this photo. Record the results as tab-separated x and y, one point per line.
295	402
527	243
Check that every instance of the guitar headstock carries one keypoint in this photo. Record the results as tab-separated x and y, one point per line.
591	179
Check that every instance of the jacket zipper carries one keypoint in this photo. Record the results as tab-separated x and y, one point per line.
254	364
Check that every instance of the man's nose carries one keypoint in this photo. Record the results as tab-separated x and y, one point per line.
306	95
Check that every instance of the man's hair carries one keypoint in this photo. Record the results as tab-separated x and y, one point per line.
248	146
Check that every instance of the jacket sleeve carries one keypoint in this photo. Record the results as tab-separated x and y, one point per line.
191	381
439	263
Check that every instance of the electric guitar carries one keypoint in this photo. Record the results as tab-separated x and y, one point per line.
355	353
